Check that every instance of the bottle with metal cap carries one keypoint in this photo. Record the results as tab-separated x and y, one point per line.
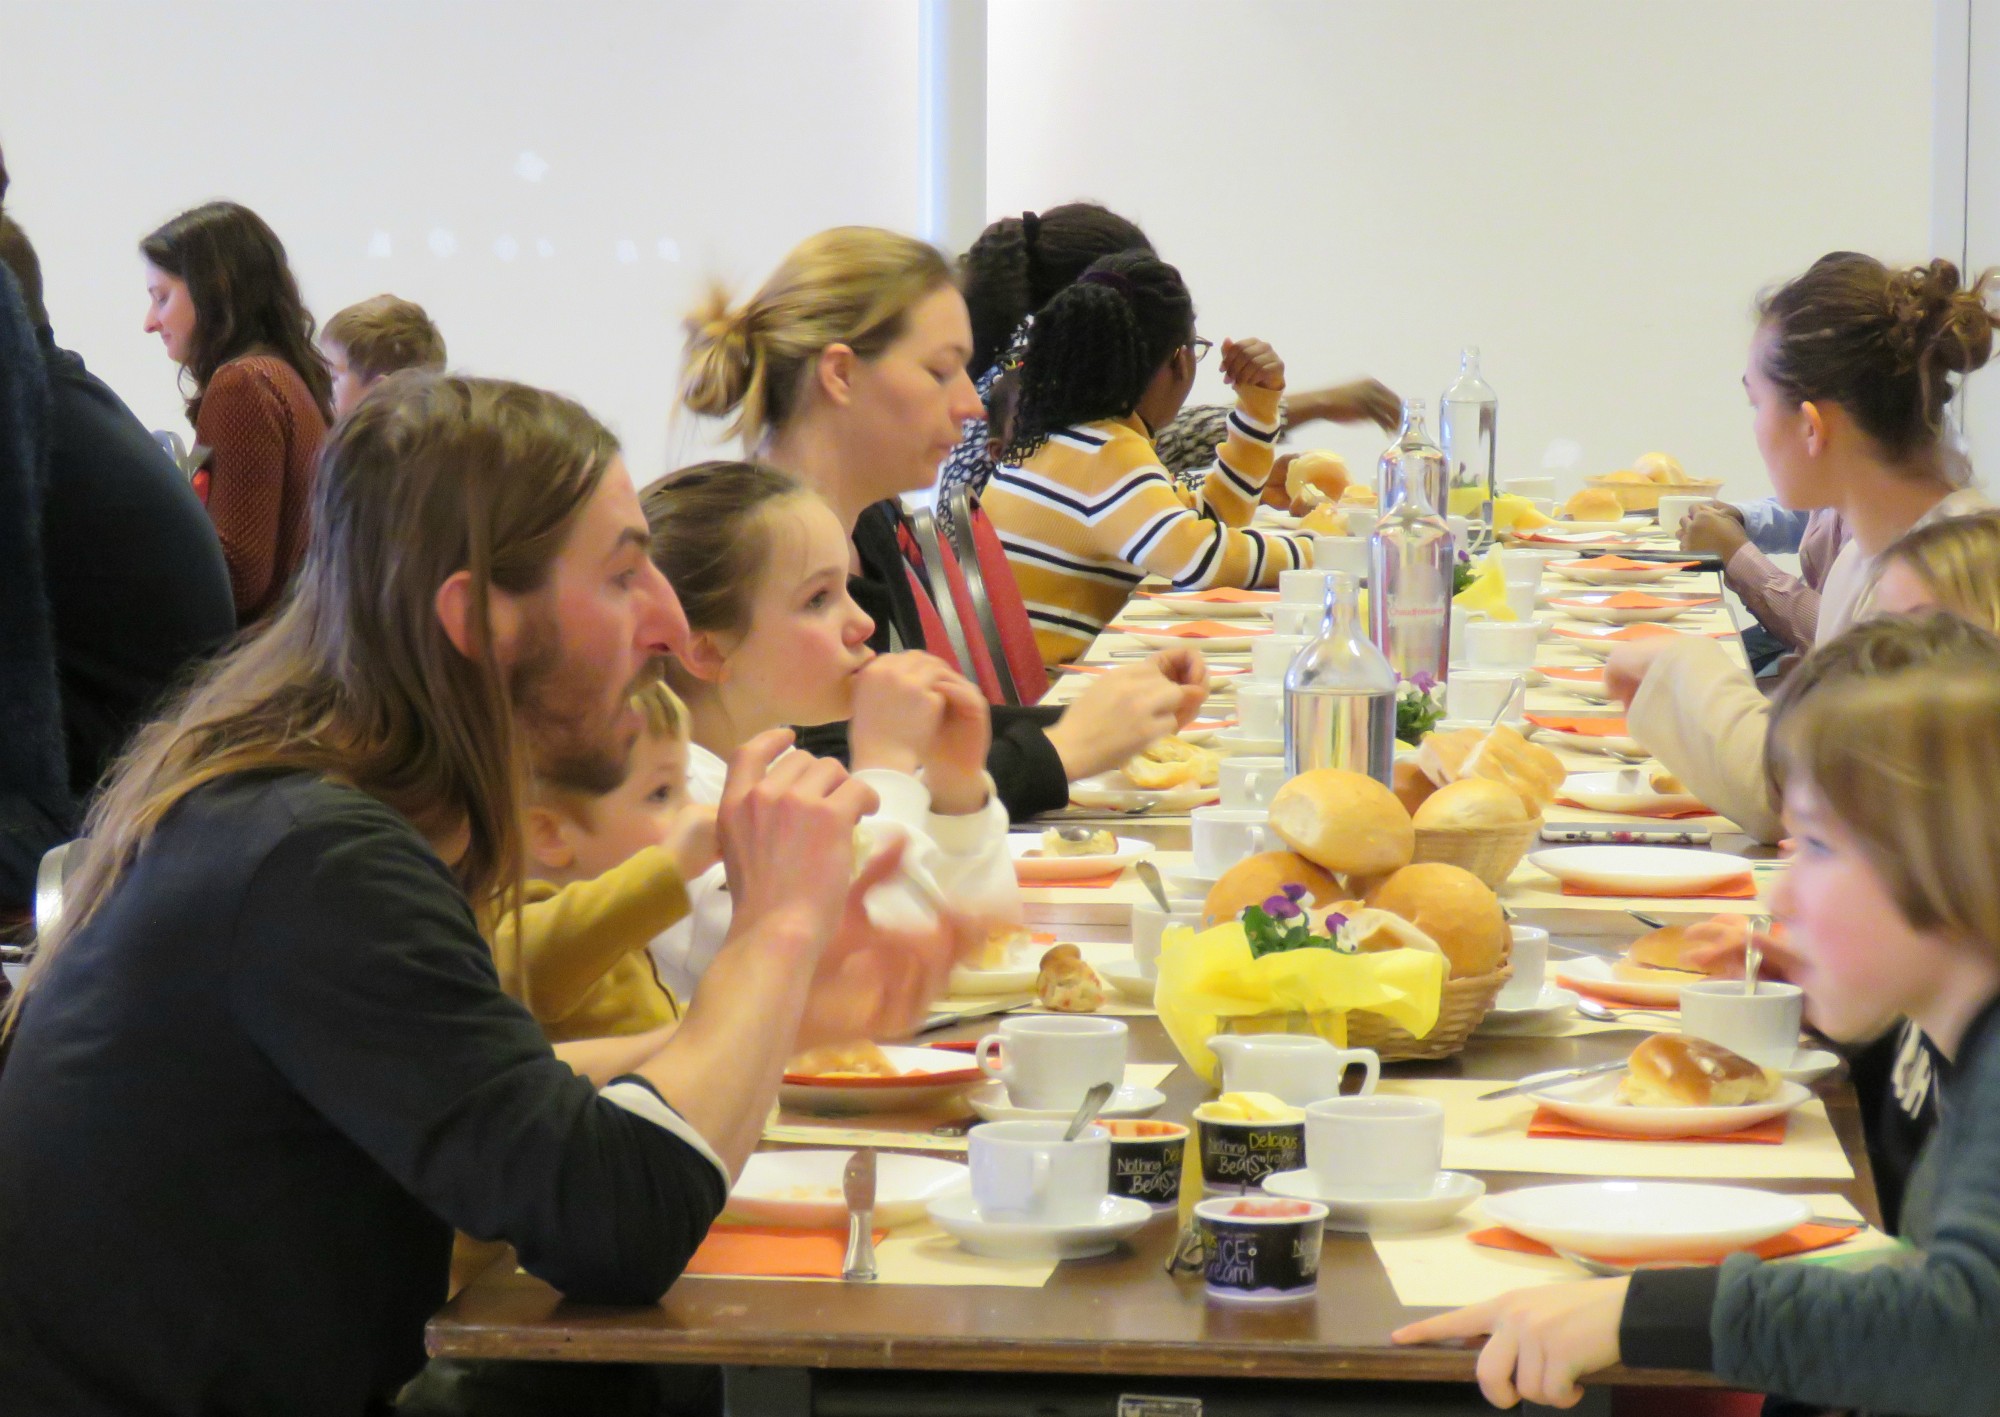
1340	694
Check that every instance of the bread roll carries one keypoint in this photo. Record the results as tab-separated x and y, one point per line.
1255	879
1411	784
1673	1070
1452	906
1595	504
1174	762
1315	477
844	1060
1344	822
1067	984
1656	958
1500	755
1470	804
1660	468
1325	520
1358	496
1374	930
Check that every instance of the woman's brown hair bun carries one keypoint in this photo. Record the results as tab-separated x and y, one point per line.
1939	328
722	356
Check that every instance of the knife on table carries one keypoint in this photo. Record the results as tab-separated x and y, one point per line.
1536	1084
858	1185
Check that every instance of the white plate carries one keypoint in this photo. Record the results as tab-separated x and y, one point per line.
1643	575
1113	791
1626	791
1591	1102
1233	743
1578	608
1632	525
1809	1065
1552	1003
1070	868
1207	644
1593	975
1127	978
936	1076
959	1217
1647	1220
1591	743
990	1101
1451	1192
802	1189
1183	607
1641	870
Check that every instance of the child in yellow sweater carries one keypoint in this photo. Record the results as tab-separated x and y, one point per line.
1082	504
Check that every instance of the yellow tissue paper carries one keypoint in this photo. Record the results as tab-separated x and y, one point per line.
1508	509
1465	501
1488	591
1209	982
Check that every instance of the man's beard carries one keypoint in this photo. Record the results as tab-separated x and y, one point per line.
559	704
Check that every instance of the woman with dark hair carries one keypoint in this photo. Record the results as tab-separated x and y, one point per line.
224	303
1084	507
1849	374
1014	269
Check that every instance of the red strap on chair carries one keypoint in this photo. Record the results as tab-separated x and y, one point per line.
1010	615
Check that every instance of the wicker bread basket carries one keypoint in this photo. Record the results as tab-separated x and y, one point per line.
1490	853
1645	496
1464	1004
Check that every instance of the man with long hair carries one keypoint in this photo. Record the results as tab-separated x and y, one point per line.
262	1066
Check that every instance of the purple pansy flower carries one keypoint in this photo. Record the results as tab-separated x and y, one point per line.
1280	907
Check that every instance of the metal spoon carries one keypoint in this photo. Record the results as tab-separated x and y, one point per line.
1591	1009
1753	953
1093	1103
1149	876
1607	1269
1076	834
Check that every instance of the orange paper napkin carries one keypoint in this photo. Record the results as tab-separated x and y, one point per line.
1084	883
1639	600
1674	815
1627	633
1192	630
1612	1001
1222	595
770	1249
1801	1239
1547	1123
1743	887
1623	563
1575	673
1601	726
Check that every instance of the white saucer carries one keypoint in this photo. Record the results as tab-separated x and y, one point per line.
958	1216
1809	1065
1451	1192
1127	978
1552	1003
1233	744
990	1101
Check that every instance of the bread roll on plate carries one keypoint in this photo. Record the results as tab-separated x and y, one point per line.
1656	958
1067	983
1673	1070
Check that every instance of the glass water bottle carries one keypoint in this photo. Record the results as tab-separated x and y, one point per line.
1468	416
1340	695
1412	460
1409	569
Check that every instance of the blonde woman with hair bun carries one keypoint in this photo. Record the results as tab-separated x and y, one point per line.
846	369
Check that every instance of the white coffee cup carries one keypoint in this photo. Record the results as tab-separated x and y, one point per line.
1222	836
1342	553
1026	1171
1502	644
1529	487
1763	1027
1477	694
1150	924
1462	620
1271	656
1251	782
1530	957
1297	619
1523	566
1461	532
1293	1067
1361	521
1673	509
1375	1147
1302	587
1052	1060
1522	598
1260	710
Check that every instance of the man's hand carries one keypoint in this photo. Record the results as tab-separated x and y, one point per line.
1542	1341
1716	528
1362	401
1125	710
786	825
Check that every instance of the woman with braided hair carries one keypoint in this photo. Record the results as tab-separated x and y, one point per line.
1083	504
1015	267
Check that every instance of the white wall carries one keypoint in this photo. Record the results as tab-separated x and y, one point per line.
1593	191
727	131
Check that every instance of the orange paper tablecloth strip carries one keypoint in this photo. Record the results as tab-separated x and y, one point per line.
1602	726
1637	600
1674	816
1617	1005
768	1249
1743	887
1082	883
1546	1123
1193	630
1221	595
1624	563
1802	1239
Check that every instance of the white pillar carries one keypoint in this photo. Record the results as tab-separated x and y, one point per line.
951	97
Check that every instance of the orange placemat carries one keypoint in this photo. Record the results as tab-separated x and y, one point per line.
1193	630
1222	595
1548	1123
769	1249
1743	887
1082	883
1638	600
1672	816
1602	726
1612	1002
1624	563
1799	1240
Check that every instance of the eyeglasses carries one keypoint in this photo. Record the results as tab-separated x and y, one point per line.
1200	348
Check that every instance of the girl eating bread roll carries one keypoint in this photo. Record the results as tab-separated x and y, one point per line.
1890	902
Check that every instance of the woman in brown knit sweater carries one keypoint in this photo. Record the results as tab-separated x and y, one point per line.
223	301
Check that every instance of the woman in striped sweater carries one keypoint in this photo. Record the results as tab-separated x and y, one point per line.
1082	503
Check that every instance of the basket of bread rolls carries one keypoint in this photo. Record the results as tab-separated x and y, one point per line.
1638	488
1476	798
1362	841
